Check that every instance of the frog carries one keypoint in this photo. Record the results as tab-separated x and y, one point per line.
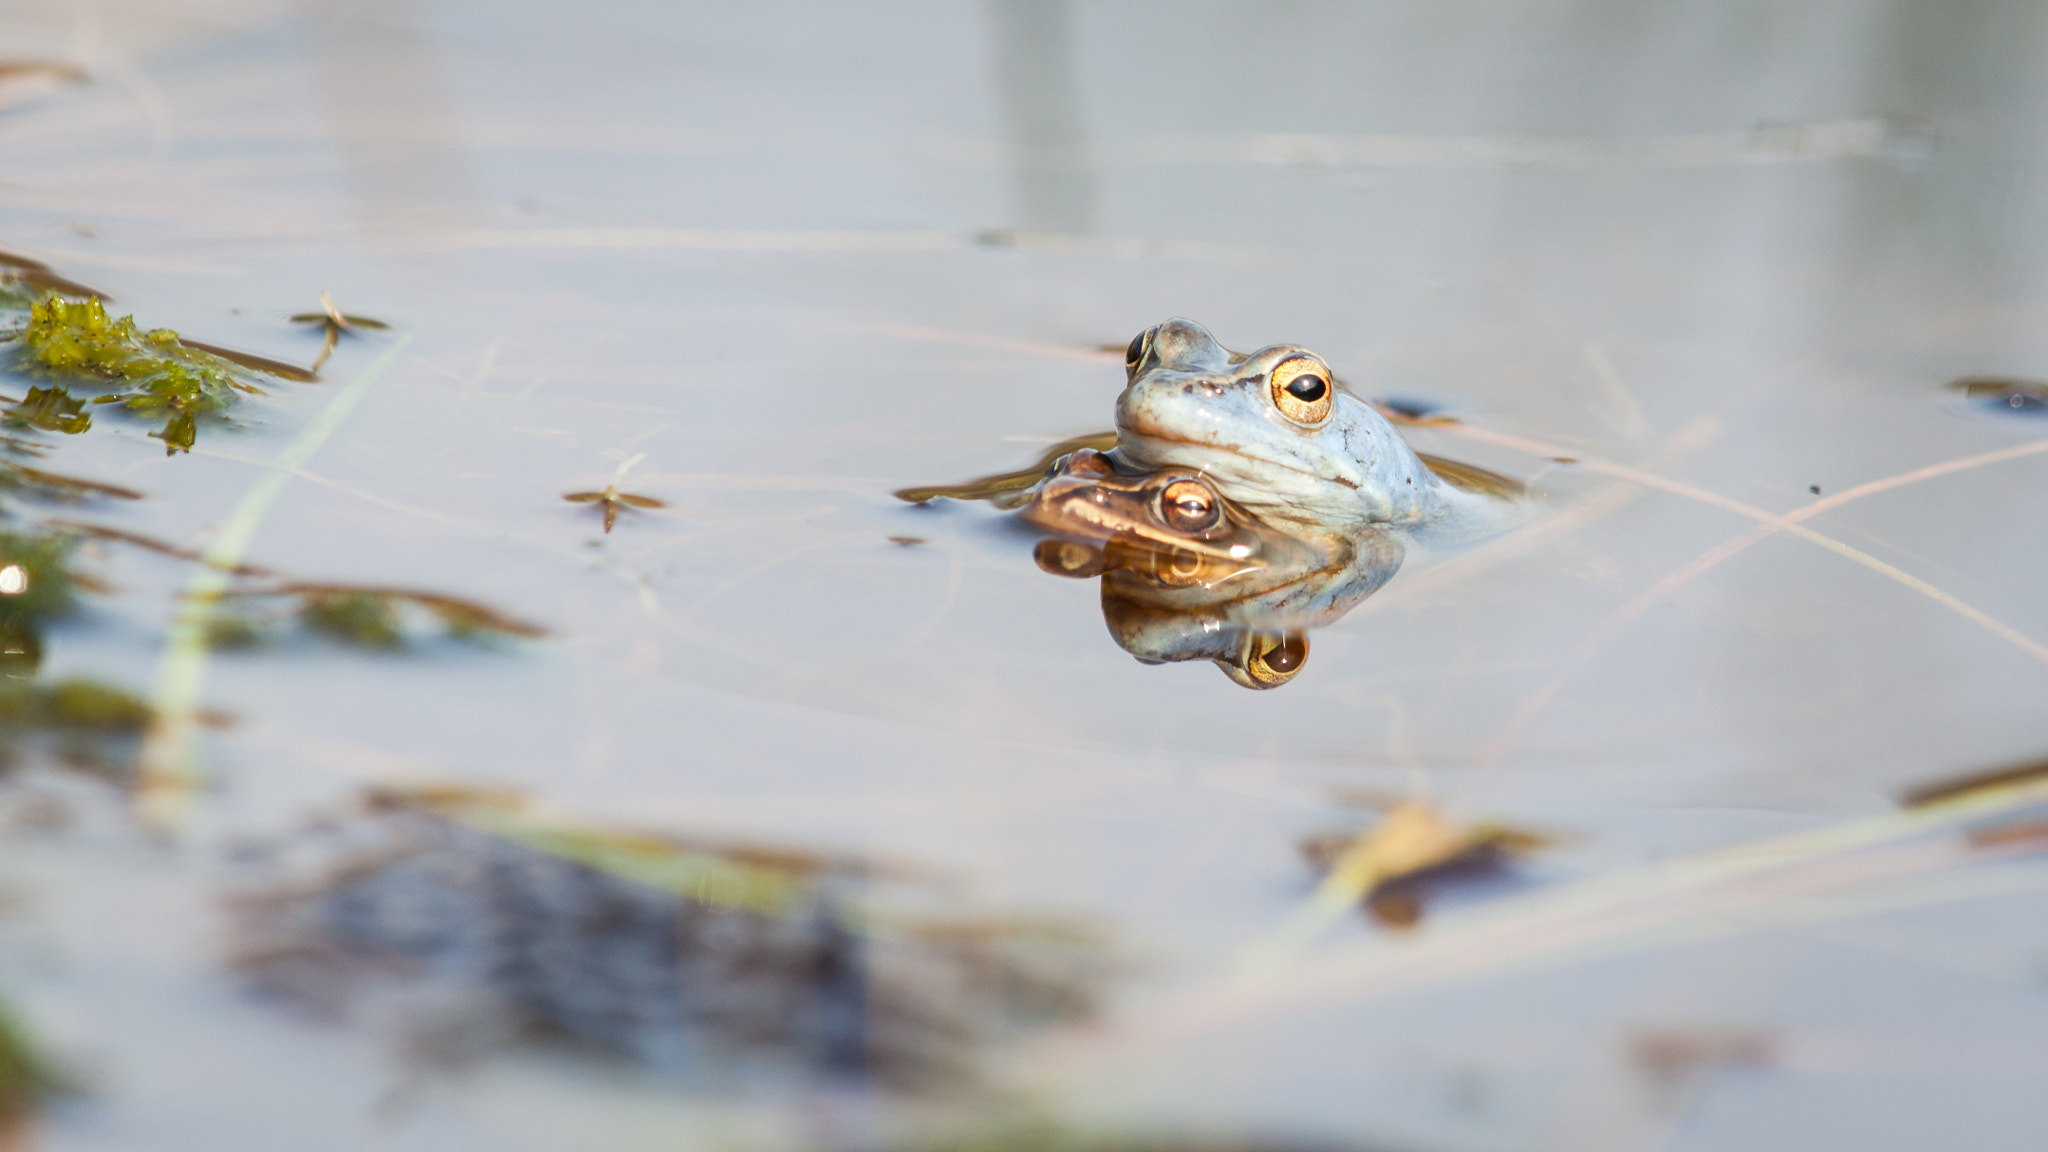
1275	433
1188	575
1243	499
1172	527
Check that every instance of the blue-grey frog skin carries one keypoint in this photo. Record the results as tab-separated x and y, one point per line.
1276	435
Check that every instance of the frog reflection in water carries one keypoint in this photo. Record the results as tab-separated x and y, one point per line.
1243	500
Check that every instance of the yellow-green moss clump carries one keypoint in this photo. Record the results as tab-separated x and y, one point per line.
358	619
44	587
153	373
26	1080
83	706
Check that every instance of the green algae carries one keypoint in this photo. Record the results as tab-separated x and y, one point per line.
226	632
27	1078
72	706
52	409
45	586
1041	1135
357	619
152	373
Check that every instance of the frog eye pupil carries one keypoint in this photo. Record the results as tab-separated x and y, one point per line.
1187	506
1308	389
1287	656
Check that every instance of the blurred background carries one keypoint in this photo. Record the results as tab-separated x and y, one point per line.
782	814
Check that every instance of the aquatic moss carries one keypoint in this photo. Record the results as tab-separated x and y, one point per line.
1048	1136
47	584
358	619
74	706
367	616
52	409
227	632
26	1077
21	648
154	374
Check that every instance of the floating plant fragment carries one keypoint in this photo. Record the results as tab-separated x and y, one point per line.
153	373
357	619
1046	1137
1393	864
1976	785
1009	489
2013	801
24	281
497	921
1672	1058
263	364
52	409
2004	396
28	1079
36	579
1406	410
336	322
53	486
148	543
24	80
89	726
74	705
369	616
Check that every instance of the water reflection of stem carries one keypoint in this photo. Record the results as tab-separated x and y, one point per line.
169	775
1768	524
1773	522
1888	862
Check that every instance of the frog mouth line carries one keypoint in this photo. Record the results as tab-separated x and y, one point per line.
1236	450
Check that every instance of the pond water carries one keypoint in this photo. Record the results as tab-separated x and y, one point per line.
790	834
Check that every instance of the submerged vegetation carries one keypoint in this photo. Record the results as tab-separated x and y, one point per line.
689	956
27	1079
1049	1137
1397	863
2004	396
367	616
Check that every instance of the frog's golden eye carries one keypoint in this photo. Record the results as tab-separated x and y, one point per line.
1273	660
1301	390
1188	506
1135	354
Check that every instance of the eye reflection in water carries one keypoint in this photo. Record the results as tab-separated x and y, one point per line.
1243	500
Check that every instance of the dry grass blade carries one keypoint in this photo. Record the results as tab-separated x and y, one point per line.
1909	858
1004	489
151	544
55	483
459	614
1773	521
37	275
1411	839
1962	787
1606	630
264	364
1472	478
